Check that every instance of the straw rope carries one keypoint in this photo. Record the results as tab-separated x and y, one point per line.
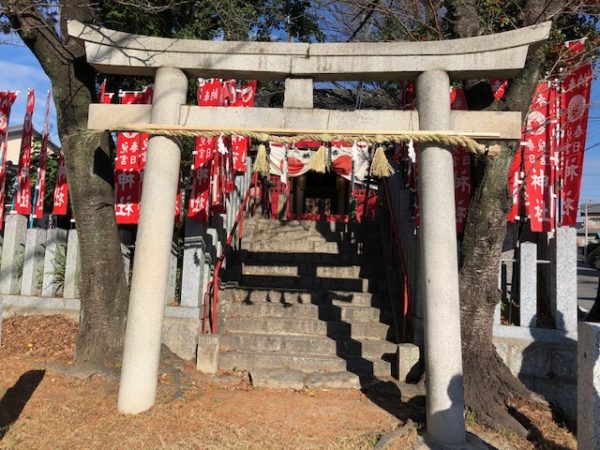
444	139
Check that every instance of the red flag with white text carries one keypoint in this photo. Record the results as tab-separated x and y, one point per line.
61	190
128	176
575	92
41	172
23	198
538	140
7	98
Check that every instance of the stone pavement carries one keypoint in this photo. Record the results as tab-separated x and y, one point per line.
587	284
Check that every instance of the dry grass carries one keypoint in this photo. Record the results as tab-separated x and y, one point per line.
196	411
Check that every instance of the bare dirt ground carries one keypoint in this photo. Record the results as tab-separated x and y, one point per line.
50	403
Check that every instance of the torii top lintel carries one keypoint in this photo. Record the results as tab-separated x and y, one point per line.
499	55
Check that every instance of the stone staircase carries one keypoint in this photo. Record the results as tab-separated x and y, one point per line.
312	301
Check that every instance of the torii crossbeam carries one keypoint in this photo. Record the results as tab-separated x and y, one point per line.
431	64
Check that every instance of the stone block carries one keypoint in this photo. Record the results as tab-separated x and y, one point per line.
298	93
502	351
181	336
408	362
528	284
194	264
56	243
19	305
277	378
332	380
33	264
566	279
73	266
588	386
207	359
533	359
13	253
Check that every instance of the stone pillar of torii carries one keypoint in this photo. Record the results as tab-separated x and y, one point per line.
431	64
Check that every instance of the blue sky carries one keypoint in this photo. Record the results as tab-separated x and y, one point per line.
19	70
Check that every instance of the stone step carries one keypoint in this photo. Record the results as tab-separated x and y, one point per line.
313	283
322	226
346	313
338	298
295	326
307	345
327	271
295	379
305	246
273	257
234	360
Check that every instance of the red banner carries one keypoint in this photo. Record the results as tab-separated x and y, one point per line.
213	173
575	90
23	198
538	142
515	181
103	96
6	101
61	190
208	93
40	187
199	197
462	167
129	164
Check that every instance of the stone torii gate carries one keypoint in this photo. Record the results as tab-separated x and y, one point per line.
432	64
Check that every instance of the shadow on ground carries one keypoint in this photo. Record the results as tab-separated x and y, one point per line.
15	398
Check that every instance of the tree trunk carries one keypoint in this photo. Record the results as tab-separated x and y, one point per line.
103	289
489	385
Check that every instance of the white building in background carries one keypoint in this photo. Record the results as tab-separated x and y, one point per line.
15	134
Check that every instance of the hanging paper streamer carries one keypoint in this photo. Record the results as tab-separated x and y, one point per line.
575	90
7	98
23	198
40	187
61	190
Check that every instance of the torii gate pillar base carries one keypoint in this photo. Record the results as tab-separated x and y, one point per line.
137	392
439	268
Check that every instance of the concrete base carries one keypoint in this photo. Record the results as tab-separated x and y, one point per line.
207	359
472	443
408	356
588	386
180	329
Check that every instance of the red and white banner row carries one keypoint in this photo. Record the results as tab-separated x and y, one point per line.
216	160
23	202
546	172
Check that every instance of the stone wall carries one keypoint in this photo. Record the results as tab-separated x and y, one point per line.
544	360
